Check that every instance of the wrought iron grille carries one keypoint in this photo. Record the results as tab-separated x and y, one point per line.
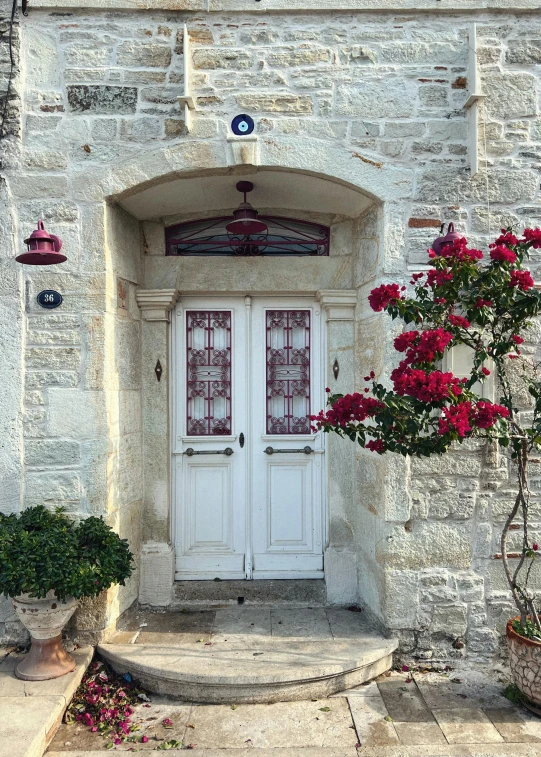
208	356
285	236
288	371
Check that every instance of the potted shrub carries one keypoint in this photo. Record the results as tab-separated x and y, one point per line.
487	306
47	563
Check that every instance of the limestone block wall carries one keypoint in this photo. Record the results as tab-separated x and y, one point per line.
387	89
11	299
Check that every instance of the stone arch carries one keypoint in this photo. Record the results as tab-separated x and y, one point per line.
381	181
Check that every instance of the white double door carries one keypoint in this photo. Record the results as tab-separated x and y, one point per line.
249	484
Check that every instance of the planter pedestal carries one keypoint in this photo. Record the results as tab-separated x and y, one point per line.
44	618
46	659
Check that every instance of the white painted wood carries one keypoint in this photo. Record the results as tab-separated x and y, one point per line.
250	515
210	496
287	496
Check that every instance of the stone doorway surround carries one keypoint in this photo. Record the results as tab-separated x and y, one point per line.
157	556
101	409
355	335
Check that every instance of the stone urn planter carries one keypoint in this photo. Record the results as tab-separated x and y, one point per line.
48	562
525	664
44	619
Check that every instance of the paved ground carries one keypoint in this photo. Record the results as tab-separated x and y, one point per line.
458	713
30	711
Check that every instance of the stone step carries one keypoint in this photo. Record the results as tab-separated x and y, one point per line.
306	593
250	655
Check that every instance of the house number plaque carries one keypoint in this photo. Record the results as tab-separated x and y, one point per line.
49	299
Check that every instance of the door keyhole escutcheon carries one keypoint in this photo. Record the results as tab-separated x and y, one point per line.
241	440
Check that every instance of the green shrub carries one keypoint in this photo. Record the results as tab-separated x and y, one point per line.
43	551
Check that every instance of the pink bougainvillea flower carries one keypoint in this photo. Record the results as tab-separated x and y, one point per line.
167	723
458	320
384	295
521	280
485	414
485	371
456	418
405	668
376	445
506	238
535	547
533	236
144	739
502	254
517	339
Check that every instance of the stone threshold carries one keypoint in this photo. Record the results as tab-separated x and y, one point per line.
31	711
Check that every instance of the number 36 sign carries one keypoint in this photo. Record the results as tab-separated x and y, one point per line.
49	299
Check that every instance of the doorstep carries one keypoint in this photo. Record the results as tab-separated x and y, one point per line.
31	711
249	654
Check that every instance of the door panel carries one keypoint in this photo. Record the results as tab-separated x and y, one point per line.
210	512
252	367
287	496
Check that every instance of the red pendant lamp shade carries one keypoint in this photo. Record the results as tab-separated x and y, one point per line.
43	248
441	242
245	216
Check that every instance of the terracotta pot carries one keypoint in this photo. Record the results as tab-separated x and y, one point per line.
525	663
44	619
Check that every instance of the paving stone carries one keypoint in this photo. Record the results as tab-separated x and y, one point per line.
413	734
300	624
234	624
284	724
74	737
476	690
404	702
25	725
346	624
365	690
514	725
292	752
466	726
369	715
164	629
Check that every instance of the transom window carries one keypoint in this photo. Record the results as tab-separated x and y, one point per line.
285	236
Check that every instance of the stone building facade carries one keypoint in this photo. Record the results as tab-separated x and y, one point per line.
360	125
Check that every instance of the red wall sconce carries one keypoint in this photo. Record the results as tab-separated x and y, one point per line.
43	248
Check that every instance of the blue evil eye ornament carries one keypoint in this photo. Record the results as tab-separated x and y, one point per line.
242	125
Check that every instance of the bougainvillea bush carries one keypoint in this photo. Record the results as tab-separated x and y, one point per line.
486	303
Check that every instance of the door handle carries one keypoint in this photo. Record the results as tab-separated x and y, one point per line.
227	451
305	450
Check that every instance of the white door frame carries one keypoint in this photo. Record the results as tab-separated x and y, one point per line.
317	402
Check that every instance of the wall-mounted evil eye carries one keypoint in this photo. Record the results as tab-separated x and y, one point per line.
242	125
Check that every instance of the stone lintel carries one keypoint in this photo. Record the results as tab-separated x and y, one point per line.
339	304
156	304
